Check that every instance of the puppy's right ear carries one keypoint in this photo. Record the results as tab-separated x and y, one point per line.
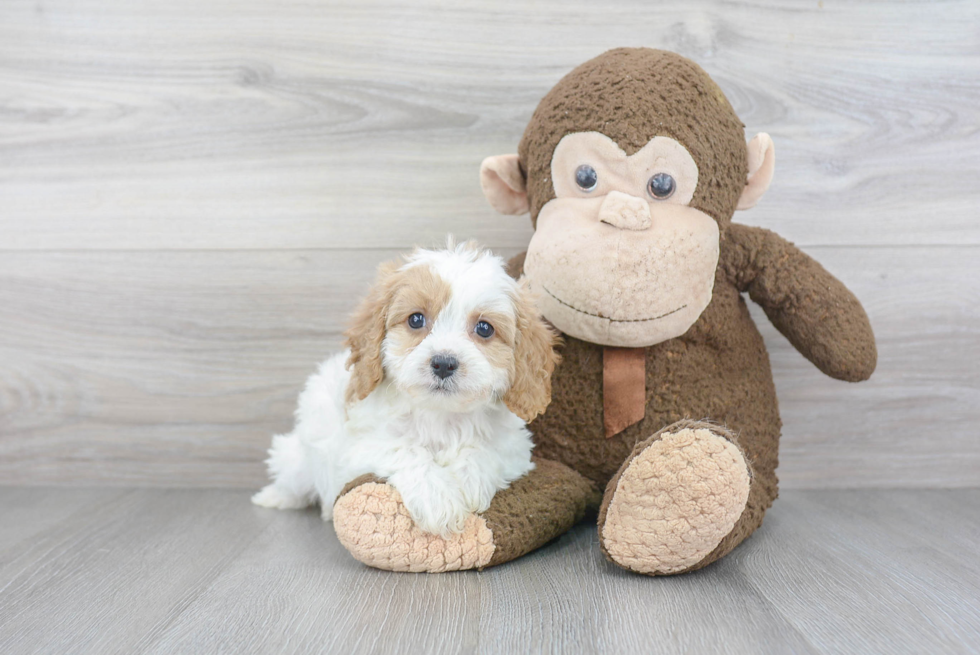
535	358
365	335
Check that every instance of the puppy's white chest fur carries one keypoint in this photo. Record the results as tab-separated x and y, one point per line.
446	435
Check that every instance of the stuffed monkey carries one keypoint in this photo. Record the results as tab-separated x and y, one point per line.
663	420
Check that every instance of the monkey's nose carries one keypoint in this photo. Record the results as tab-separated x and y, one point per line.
624	211
443	365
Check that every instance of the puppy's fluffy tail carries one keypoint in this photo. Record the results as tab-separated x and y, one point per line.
287	459
292	480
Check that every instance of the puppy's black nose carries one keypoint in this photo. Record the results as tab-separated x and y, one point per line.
444	365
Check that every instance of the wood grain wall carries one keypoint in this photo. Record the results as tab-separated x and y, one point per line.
193	193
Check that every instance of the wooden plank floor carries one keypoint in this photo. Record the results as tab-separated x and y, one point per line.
203	571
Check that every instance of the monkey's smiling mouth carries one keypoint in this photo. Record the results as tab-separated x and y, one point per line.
613	320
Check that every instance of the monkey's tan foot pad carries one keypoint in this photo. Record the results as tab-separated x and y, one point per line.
373	525
674	500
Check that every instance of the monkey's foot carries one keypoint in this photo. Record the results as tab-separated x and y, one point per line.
373	525
674	499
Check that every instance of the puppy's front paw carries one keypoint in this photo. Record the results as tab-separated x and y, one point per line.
443	517
437	507
440	523
477	495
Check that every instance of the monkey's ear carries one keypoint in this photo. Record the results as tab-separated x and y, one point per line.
762	162
503	184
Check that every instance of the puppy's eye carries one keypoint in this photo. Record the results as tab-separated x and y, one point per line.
416	321
484	329
586	177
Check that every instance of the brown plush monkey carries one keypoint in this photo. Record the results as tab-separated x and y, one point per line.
663	415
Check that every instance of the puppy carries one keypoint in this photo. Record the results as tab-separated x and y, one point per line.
447	359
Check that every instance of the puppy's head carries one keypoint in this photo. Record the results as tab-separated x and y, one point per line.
452	330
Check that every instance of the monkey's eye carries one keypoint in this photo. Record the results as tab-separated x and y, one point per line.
661	186
416	321
586	177
484	329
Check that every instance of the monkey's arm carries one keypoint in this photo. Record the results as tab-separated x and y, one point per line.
812	308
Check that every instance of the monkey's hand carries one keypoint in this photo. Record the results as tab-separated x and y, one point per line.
809	306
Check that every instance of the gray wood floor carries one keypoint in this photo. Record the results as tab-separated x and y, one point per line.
192	571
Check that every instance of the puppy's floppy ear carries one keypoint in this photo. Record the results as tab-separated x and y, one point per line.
534	359
365	334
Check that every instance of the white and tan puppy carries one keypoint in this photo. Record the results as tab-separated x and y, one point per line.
447	360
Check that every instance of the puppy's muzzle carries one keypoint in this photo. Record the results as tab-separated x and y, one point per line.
444	365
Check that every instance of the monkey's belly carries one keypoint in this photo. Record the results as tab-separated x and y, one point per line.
722	376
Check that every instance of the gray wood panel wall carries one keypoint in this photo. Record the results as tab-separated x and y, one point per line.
193	194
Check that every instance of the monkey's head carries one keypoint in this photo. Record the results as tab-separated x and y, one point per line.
631	167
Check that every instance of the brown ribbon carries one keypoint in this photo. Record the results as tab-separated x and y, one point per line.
624	378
